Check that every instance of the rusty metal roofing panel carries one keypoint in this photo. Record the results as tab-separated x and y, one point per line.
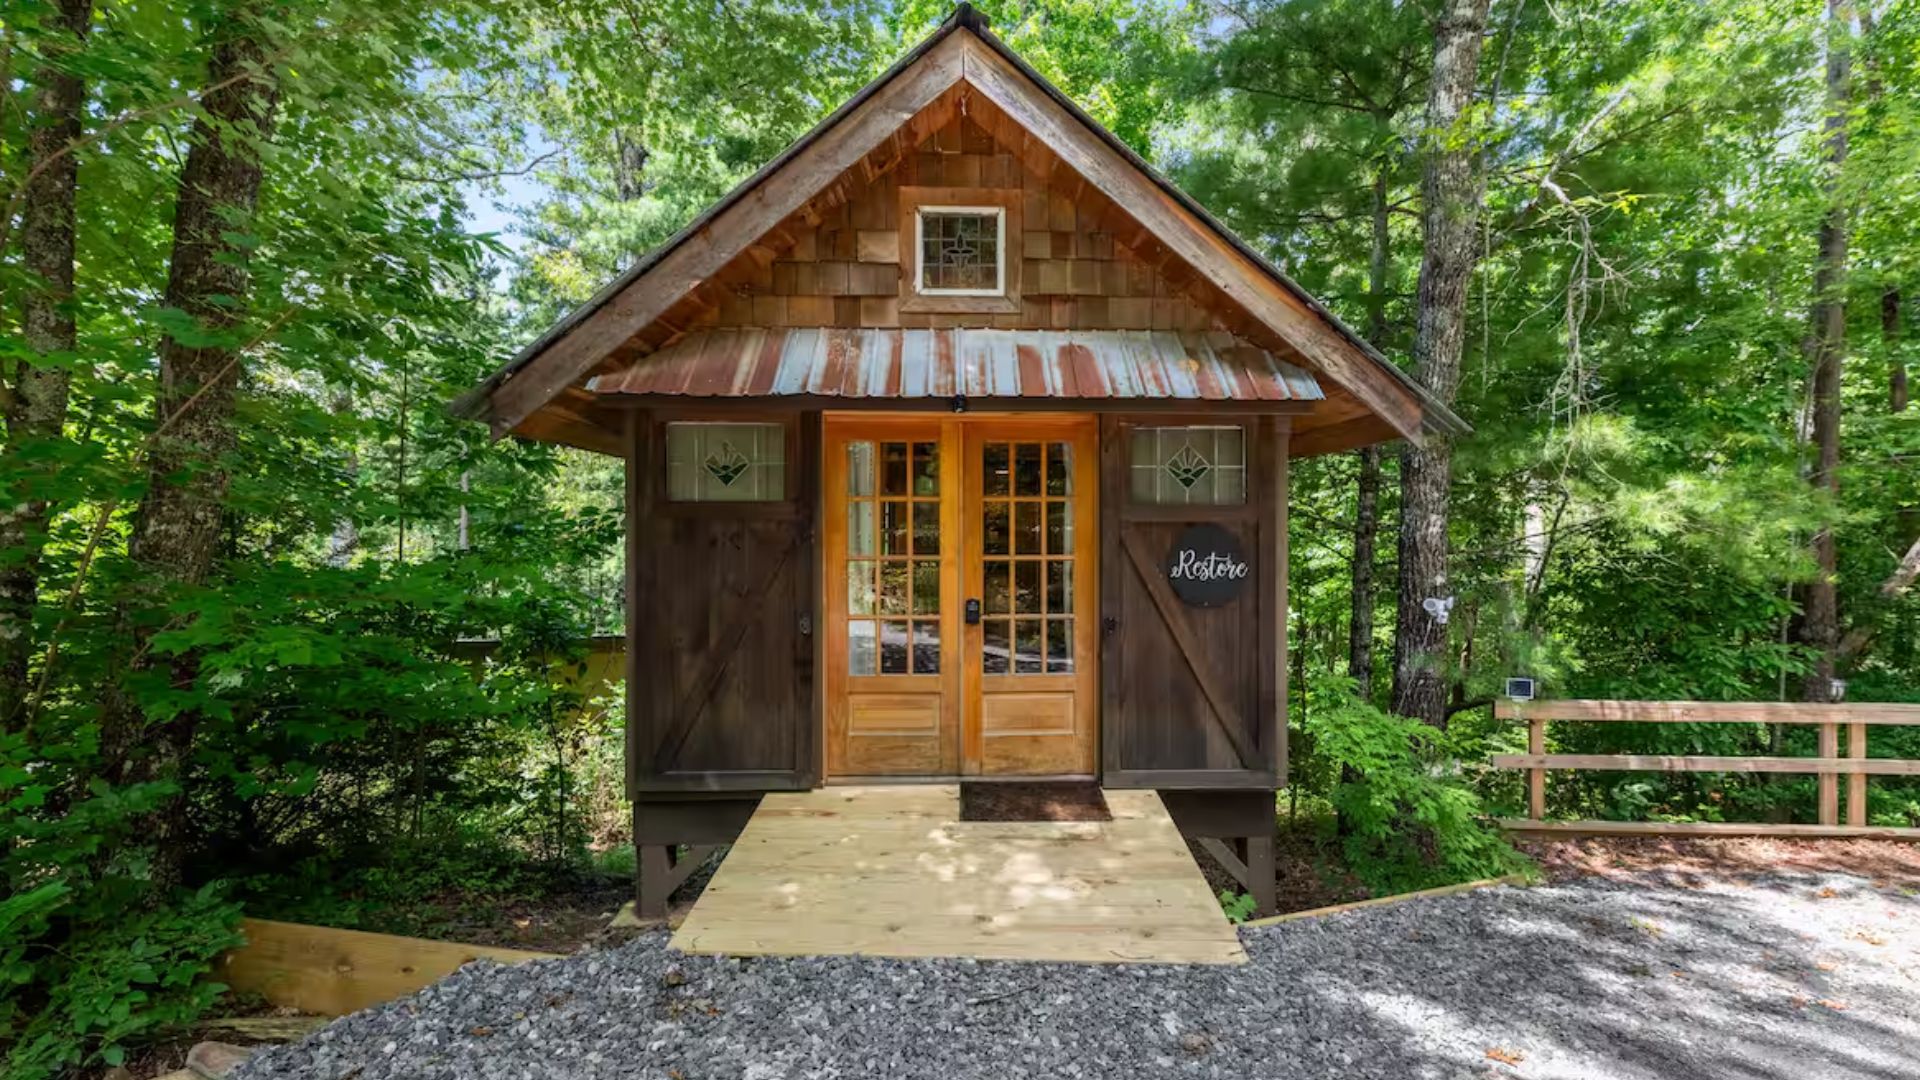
869	363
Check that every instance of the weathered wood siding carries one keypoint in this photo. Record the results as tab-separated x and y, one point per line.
846	268
721	626
1193	697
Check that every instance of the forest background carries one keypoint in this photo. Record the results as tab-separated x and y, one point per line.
277	634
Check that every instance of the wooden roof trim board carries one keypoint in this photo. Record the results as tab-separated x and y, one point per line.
980	61
670	272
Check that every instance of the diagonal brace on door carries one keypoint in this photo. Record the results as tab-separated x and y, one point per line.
1176	620
747	612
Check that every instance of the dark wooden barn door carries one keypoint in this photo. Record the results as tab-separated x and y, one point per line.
1193	688
721	614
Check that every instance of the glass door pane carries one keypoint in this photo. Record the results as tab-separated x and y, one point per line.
893	557
1026	523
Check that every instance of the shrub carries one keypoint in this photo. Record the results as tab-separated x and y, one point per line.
1407	822
88	965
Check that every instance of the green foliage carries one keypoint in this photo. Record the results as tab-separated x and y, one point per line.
1238	906
377	675
1409	823
88	966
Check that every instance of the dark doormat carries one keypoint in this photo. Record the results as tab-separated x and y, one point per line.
1053	800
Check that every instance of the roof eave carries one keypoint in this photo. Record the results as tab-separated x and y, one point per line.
1435	416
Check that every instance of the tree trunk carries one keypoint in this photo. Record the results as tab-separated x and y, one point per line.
36	410
1366	512
1820	629
1451	190
177	530
629	166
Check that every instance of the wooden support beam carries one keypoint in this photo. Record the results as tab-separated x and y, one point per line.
1857	779
1824	766
1829	783
318	969
1710	712
1537	776
1265	890
1228	861
1705	829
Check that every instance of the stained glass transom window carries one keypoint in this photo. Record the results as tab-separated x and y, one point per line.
1203	466
726	462
962	250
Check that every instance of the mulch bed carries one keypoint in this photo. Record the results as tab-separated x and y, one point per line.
1308	870
1075	800
1693	862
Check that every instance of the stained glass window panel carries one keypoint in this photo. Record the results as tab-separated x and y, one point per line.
960	250
726	462
1199	466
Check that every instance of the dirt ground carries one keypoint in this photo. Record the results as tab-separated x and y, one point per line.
561	922
1308	869
1696	862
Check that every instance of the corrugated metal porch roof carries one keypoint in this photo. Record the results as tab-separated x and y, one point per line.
830	362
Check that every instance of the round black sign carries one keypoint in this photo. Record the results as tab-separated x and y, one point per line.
1206	566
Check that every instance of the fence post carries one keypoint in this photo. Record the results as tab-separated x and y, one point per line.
1536	776
1856	780
1829	782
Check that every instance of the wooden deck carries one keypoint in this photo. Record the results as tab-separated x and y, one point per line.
892	871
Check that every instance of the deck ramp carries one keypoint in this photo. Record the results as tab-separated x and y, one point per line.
893	871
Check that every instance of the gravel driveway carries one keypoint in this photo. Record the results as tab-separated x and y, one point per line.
1811	977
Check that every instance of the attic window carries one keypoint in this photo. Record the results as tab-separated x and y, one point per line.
960	250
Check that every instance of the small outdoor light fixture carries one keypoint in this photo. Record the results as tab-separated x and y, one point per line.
1439	607
1520	688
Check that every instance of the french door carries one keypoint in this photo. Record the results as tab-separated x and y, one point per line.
960	596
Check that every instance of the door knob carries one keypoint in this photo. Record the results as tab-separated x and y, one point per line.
973	612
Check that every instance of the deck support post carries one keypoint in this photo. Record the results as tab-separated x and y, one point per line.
654	865
1235	829
1536	778
1857	781
665	825
1260	871
1829	785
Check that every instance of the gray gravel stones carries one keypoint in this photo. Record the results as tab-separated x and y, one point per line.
1796	977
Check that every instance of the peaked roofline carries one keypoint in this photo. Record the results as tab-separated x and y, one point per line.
1436	416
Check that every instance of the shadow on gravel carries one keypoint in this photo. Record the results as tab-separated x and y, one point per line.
1809	977
1784	978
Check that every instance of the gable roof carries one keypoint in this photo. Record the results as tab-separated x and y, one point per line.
962	50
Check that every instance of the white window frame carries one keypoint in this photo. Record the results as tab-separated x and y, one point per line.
999	215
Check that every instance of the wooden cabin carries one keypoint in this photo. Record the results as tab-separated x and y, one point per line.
957	443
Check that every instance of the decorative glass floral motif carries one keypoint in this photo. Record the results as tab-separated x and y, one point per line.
1198	465
1187	467
959	251
727	463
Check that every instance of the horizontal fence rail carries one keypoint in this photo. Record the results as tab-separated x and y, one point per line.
1829	765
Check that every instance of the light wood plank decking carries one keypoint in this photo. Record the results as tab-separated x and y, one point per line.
892	871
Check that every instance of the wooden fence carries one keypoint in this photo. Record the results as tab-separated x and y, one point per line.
1830	766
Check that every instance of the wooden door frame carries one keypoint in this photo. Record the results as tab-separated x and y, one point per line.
957	434
836	432
1082	431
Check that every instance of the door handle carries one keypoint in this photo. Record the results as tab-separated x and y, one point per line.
973	612
1108	625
